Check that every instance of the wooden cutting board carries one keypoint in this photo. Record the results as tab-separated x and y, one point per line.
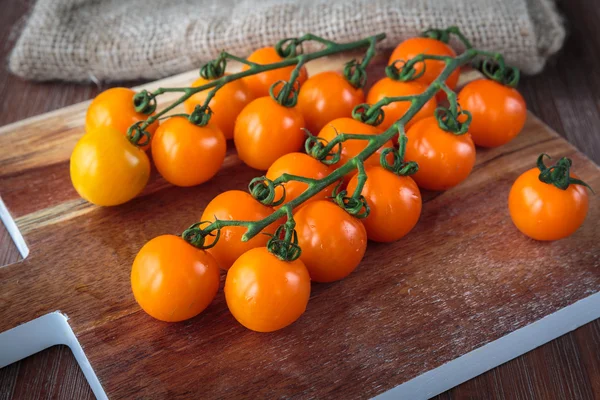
462	293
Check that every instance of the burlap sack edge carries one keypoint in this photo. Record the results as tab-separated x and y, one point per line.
549	30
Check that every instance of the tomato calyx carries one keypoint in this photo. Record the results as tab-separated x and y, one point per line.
404	71
214	69
263	190
201	115
284	242
319	149
450	120
495	68
368	114
144	102
287	95
443	35
398	166
137	133
355	74
356	206
196	236
288	48
559	173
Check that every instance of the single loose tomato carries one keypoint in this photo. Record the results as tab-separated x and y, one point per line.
394	201
444	159
265	293
186	154
241	206
259	84
114	108
412	47
173	280
499	112
387	87
332	241
106	169
266	130
544	212
325	97
226	104
351	148
299	164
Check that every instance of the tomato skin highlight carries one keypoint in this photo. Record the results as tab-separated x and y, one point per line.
226	104
186	154
412	47
266	130
114	108
333	242
264	293
351	148
299	164
444	159
327	96
499	112
235	205
259	84
106	169
395	204
172	280
387	87
543	211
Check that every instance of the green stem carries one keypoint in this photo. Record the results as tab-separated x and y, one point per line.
331	48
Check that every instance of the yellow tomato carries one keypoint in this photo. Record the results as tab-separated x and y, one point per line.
106	169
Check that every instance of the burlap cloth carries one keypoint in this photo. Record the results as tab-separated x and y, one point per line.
128	39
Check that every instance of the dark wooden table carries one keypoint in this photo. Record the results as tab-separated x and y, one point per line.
565	96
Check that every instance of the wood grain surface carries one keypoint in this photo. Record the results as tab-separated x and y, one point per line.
566	368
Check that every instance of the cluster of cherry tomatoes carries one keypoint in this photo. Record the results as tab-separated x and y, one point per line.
173	280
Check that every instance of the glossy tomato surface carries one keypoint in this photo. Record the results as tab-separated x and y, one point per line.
266	130
327	96
114	108
332	241
499	112
264	293
106	169
241	206
186	154
226	104
544	212
299	164
394	201
172	280
387	87
259	84
444	159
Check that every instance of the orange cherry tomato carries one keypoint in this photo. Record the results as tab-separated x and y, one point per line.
444	159
299	164
114	108
394	202
544	212
412	47
106	169
266	130
265	293
387	87
332	241
259	84
186	154
226	104
241	206
352	147
172	280
499	112
325	97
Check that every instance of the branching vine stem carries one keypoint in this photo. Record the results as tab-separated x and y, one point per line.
374	143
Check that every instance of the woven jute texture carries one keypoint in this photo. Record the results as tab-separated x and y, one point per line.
81	40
